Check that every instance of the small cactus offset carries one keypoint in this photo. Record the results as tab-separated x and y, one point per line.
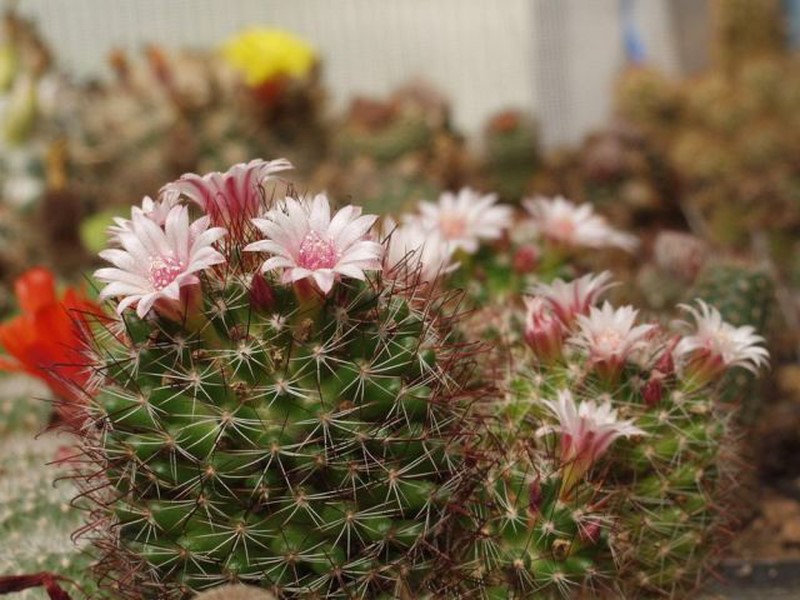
614	468
270	409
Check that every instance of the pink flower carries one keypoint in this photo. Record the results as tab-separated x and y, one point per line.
586	432
465	219
610	336
232	198
307	243
568	300
717	346
543	331
568	225
415	255
155	263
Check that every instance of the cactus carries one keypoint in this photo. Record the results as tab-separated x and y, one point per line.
626	492
511	146
392	151
401	135
648	98
747	28
37	518
303	439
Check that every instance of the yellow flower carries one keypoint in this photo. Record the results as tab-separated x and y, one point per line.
262	54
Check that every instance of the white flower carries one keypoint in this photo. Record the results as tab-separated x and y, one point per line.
307	243
610	336
718	345
155	210
465	219
586	430
567	224
232	198
154	262
414	254
568	300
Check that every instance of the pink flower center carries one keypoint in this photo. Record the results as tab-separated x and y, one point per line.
561	229
317	253
164	270
608	342
452	226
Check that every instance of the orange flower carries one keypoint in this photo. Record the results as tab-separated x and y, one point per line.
45	340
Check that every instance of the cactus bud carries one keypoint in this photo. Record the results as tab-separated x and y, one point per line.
526	259
262	296
543	331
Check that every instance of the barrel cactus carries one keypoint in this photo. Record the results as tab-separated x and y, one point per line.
275	411
616	458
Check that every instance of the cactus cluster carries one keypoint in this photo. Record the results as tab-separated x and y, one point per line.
640	516
287	403
731	131
191	110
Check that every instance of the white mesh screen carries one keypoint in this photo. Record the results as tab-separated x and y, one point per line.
555	57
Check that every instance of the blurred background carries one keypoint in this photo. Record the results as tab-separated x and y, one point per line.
678	119
556	57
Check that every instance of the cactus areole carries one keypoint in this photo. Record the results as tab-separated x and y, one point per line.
280	413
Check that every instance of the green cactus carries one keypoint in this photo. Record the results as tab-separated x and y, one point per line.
512	153
626	493
311	447
675	484
405	134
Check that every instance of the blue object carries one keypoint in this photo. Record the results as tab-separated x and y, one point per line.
632	40
792	10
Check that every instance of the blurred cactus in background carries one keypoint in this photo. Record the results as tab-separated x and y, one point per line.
184	111
622	172
511	154
33	111
744	29
393	152
730	134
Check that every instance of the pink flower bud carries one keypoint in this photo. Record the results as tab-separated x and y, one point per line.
653	390
534	496
543	331
590	532
526	259
262	296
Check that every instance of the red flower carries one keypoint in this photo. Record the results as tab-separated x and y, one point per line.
46	339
